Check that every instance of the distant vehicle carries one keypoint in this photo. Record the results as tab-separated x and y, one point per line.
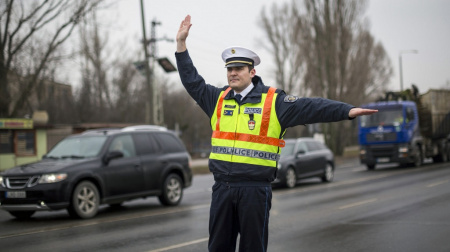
104	166
408	128
304	158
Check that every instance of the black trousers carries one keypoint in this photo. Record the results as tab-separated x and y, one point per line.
239	208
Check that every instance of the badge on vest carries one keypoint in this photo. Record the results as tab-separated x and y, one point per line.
252	110
228	112
251	123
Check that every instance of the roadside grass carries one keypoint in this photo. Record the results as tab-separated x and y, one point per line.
201	169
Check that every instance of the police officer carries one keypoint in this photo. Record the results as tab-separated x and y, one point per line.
248	120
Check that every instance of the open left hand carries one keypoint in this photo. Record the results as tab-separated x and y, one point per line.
354	112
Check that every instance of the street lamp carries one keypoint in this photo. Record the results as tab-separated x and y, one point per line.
400	63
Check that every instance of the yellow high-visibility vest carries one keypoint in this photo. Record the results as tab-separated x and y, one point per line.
248	133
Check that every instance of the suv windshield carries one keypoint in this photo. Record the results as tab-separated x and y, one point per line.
383	118
78	147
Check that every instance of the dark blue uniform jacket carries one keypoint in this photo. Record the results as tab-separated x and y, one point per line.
291	111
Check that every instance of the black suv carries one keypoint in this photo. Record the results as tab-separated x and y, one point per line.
104	166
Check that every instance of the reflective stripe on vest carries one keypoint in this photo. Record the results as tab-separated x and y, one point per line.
234	141
245	153
262	137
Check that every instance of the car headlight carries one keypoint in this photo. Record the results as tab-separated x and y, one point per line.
1	181
52	178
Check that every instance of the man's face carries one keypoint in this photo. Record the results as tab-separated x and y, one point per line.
240	77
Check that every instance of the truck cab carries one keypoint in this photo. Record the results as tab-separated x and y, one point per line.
390	136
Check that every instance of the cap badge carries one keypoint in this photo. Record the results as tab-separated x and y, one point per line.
233	51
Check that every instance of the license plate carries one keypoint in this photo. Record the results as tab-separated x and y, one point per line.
16	194
383	160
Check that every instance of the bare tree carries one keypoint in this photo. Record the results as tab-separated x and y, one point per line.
95	84
49	21
111	90
285	47
130	90
181	112
338	57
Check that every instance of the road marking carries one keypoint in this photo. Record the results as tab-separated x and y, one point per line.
437	183
180	245
358	203
337	184
108	220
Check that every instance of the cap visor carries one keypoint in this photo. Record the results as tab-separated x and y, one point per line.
236	65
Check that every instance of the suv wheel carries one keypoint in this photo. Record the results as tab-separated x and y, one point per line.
172	190
85	201
22	214
291	178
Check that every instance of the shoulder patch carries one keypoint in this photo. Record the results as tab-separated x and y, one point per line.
290	98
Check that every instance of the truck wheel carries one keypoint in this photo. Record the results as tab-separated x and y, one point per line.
418	157
85	201
445	156
441	157
172	191
370	167
448	152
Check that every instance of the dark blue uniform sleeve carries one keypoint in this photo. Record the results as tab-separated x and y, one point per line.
204	94
293	111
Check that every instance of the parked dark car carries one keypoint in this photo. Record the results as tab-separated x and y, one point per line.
105	166
304	158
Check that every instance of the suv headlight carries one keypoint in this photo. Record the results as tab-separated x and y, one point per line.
52	178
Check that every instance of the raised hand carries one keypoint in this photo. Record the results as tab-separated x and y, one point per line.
183	33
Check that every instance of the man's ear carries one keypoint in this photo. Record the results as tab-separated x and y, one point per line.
253	72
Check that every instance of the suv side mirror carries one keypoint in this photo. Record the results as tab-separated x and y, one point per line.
112	155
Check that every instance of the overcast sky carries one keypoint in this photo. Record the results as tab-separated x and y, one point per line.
398	24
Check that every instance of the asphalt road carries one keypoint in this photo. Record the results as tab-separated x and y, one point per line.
388	209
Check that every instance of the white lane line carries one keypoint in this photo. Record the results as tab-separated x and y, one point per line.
358	203
180	245
98	221
437	183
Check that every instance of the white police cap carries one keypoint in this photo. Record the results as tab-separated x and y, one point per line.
239	56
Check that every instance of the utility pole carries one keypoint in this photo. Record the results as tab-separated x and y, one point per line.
155	115
158	118
149	100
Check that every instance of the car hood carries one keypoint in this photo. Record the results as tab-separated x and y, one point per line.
44	166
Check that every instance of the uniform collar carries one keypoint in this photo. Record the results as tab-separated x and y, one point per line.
254	95
246	90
